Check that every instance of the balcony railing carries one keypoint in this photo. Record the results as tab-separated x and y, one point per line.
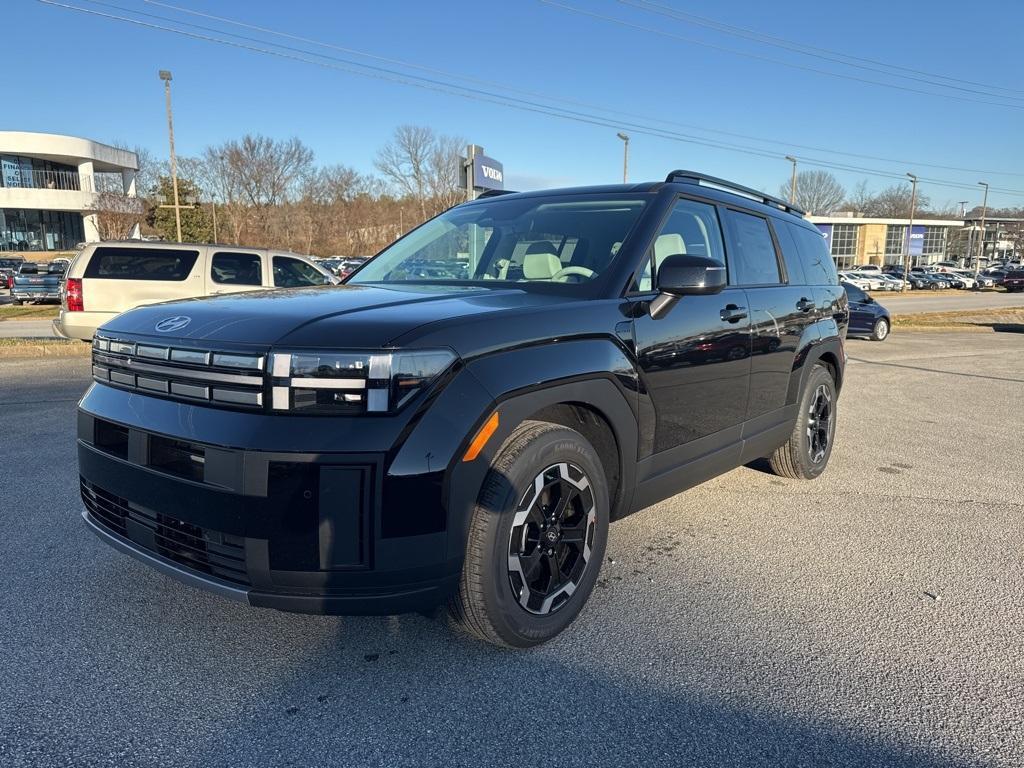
64	180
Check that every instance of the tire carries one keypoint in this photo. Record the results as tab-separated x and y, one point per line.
881	330
508	595
934	286
794	459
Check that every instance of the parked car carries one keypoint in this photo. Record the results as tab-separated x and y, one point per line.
867	316
995	275
401	442
952	280
867	268
976	282
861	282
7	277
893	283
106	279
1014	281
34	284
874	280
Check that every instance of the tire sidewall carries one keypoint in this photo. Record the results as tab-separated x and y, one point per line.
513	623
877	333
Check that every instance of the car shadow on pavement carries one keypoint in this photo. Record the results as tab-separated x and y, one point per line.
404	691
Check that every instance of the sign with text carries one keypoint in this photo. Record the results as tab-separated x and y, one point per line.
488	173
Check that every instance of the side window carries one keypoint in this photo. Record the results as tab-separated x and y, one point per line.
692	228
140	264
236	269
853	293
754	261
292	273
818	265
790	253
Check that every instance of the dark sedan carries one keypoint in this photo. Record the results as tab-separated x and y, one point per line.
867	316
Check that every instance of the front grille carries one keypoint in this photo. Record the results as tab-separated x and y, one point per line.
199	549
227	379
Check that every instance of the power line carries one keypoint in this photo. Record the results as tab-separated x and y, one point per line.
760	57
826	54
512	89
452	89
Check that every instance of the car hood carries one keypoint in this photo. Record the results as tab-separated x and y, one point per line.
358	316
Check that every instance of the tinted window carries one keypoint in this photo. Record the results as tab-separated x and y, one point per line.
753	259
853	293
140	264
691	229
795	274
292	273
236	269
818	265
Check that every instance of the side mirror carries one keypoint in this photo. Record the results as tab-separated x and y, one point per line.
684	275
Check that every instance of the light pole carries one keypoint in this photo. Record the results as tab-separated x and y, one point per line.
165	75
963	207
910	232
213	205
625	155
981	237
792	181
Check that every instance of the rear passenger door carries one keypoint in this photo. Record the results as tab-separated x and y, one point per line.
295	273
234	271
781	312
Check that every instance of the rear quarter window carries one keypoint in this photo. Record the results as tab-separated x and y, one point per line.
790	253
141	264
819	269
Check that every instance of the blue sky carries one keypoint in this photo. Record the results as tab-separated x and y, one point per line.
97	77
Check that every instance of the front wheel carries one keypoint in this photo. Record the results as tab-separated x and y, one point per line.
881	330
536	538
805	455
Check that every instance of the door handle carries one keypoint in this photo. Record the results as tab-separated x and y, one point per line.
733	313
805	305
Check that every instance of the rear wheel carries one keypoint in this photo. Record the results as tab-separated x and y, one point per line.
805	455
536	539
881	330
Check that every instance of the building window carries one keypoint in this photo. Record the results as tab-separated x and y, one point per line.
30	230
895	243
934	241
844	244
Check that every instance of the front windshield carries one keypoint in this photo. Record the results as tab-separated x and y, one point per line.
557	239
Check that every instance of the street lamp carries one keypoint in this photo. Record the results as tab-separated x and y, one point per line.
792	181
910	231
165	75
625	155
981	238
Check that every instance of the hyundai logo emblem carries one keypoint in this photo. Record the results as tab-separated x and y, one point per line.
171	324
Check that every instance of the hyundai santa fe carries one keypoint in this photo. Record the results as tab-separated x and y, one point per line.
459	423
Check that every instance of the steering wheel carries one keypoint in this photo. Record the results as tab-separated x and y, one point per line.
565	272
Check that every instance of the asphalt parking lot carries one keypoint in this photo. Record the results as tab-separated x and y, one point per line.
870	618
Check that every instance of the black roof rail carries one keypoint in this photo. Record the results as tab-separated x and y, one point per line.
695	177
495	193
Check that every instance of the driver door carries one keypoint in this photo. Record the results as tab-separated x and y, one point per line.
694	359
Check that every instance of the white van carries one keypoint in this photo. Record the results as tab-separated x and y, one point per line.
106	279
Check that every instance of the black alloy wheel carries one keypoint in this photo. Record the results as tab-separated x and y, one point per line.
551	537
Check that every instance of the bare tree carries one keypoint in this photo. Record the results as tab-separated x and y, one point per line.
117	214
894	202
816	191
424	166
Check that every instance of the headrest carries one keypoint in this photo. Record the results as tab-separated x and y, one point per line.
541	246
668	245
540	266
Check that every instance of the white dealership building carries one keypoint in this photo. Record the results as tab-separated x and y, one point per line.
48	188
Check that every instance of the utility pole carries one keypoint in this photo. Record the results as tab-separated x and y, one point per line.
963	207
213	205
165	75
981	237
625	156
792	181
910	232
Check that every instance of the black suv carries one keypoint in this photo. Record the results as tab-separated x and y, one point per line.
463	418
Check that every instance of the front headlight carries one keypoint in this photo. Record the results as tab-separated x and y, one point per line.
352	382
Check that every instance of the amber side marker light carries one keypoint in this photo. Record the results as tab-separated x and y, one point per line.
481	437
